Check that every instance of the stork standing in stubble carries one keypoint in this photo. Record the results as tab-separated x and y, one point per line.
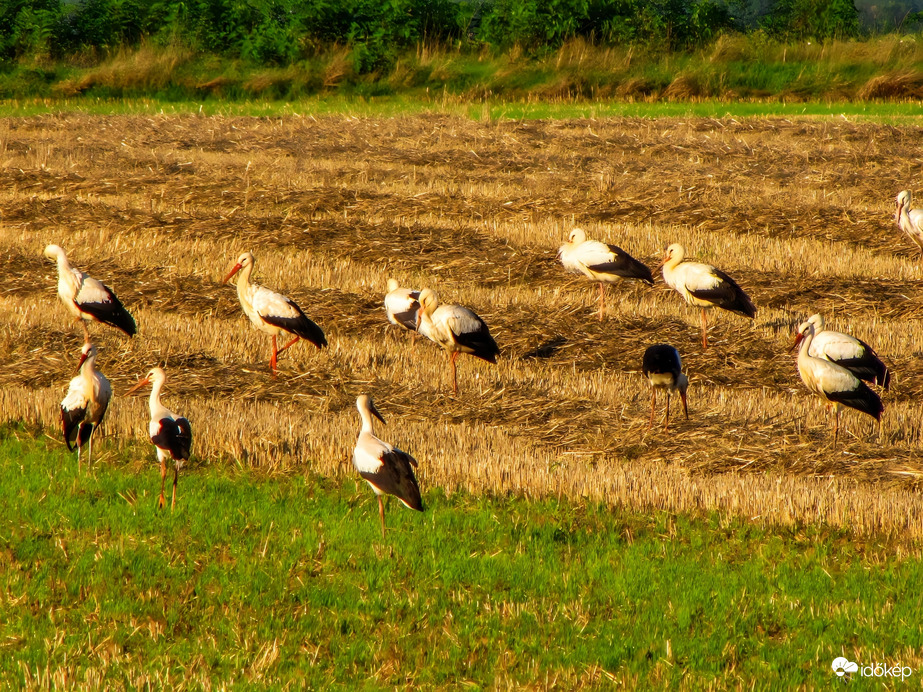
834	384
88	299
847	351
387	469
910	221
605	264
704	286
271	312
663	368
170	434
457	329
85	405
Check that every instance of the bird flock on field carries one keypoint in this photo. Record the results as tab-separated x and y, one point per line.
836	367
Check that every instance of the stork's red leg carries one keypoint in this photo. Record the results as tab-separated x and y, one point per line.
836	425
650	423
86	332
175	478
275	353
162	500
704	331
602	301
381	513
666	421
290	343
454	377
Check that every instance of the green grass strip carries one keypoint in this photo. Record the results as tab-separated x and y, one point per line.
396	106
286	581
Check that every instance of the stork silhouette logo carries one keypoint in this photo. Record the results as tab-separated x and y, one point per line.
841	666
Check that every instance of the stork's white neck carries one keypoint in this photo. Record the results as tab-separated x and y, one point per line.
243	281
154	402
366	421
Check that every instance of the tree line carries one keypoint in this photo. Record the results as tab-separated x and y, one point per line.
279	32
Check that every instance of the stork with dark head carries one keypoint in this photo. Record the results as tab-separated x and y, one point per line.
663	368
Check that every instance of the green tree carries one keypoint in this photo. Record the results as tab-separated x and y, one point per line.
812	19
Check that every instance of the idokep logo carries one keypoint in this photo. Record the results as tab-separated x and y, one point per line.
842	666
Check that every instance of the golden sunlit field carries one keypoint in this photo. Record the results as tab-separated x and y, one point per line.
800	213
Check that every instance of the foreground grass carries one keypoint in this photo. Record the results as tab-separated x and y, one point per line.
894	113
287	581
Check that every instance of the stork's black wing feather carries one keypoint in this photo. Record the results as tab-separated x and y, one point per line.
299	326
70	424
396	477
862	399
624	266
480	342
868	366
727	295
174	436
110	312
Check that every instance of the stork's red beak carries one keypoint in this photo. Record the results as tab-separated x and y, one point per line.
237	268
138	386
799	337
663	261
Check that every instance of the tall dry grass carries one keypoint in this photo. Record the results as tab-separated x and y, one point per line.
799	212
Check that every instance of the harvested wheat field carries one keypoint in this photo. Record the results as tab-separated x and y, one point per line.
799	213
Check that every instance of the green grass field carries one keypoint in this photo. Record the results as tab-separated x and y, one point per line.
494	109
285	581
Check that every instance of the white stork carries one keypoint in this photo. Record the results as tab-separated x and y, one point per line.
271	312
833	383
170	434
704	286
387	469
457	329
910	221
88	299
848	352
85	405
401	306
601	263
663	368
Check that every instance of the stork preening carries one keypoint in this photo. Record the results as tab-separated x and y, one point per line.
605	264
910	221
663	368
387	469
401	306
83	408
88	299
704	286
848	352
171	434
457	329
834	383
271	312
